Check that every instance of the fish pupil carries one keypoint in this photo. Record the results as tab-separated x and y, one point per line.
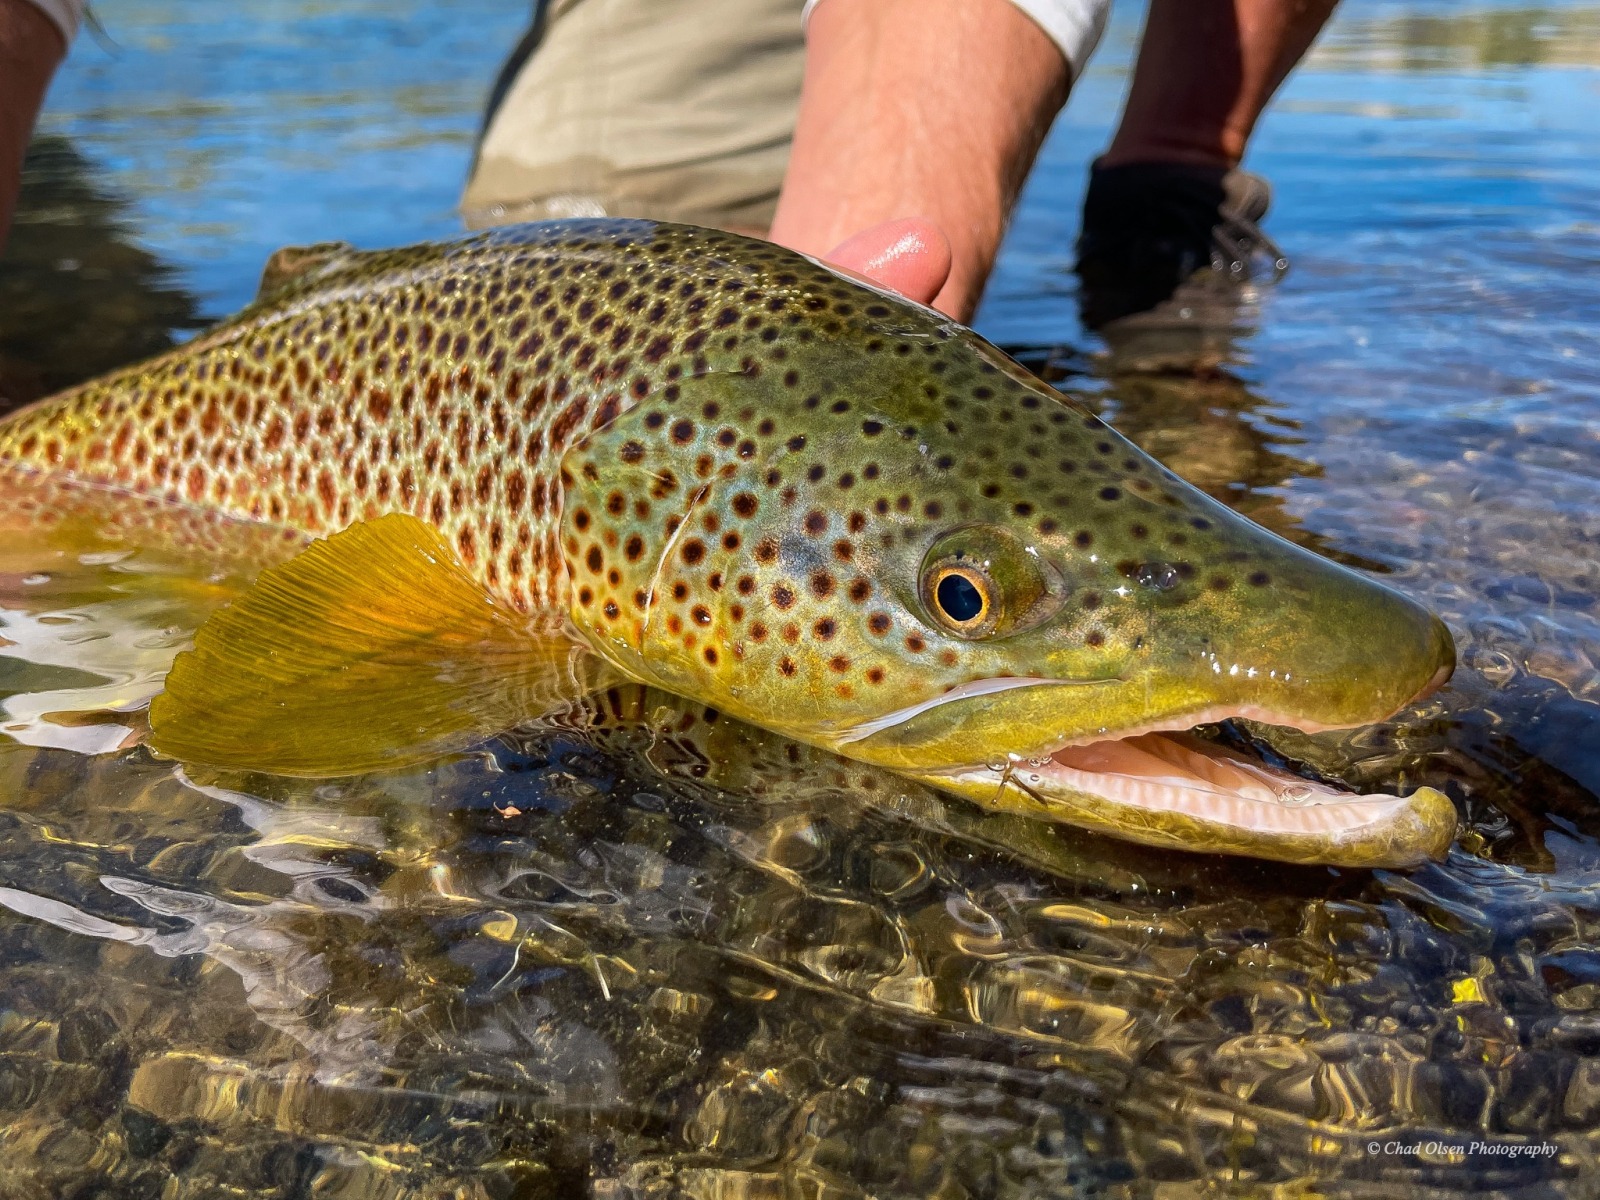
959	599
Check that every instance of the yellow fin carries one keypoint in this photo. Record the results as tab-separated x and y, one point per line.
372	650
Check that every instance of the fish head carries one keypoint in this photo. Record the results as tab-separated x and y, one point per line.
898	545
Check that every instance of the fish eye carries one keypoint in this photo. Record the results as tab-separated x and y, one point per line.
961	596
980	581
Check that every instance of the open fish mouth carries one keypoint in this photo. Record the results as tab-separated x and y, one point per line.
1171	788
1179	772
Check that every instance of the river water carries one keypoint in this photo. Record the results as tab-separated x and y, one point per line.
649	953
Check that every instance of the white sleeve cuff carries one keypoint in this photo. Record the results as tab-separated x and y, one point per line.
65	13
1073	25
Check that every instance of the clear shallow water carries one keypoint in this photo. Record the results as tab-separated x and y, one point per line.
644	956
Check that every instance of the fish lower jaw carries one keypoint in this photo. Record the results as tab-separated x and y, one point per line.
1179	773
1170	788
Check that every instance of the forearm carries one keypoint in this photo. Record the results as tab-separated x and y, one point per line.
919	108
30	48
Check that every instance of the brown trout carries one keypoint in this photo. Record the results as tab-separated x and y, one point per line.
528	461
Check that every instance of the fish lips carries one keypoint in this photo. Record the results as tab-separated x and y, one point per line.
1036	745
1028	754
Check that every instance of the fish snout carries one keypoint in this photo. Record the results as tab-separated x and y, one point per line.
1346	651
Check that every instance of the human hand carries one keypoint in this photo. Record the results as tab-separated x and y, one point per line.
910	256
931	107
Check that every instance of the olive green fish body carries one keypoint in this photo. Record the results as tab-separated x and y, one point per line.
746	479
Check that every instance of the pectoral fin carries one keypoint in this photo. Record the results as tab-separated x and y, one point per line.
372	650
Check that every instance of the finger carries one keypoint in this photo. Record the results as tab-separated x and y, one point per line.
910	256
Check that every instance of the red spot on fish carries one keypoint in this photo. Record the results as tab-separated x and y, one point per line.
561	428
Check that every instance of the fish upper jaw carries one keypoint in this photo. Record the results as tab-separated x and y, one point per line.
967	691
1024	715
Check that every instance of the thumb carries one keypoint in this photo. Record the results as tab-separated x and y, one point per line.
910	256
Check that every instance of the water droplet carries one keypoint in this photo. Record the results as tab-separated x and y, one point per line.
1159	575
996	763
35	580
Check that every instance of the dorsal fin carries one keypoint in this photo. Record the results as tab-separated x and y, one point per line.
292	264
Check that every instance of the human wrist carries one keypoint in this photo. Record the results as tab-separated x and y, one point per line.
919	108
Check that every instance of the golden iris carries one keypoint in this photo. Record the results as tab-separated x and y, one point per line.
962	596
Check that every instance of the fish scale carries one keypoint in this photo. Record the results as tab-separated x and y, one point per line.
731	472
